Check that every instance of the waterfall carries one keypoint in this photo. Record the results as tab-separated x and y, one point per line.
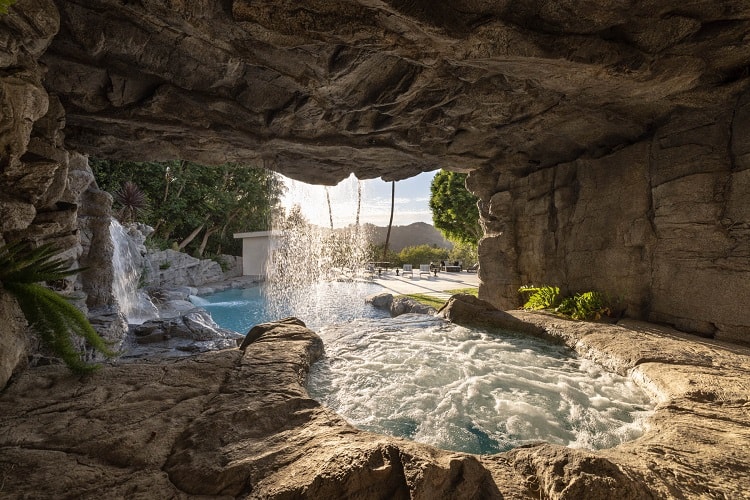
134	303
310	253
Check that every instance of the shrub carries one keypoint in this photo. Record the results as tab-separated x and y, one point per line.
5	4
582	306
49	314
543	297
586	306
421	254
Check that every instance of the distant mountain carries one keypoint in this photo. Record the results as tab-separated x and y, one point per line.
418	233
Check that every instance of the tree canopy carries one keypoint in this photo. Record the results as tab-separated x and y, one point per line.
193	206
454	208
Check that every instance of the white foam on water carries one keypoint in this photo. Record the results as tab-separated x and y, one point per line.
469	390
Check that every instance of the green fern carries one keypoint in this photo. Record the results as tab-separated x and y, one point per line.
542	297
5	4
582	306
51	316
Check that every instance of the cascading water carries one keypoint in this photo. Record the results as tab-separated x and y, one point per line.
308	254
134	303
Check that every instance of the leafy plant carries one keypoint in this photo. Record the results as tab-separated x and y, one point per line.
454	208
132	200
5	4
582	306
49	314
542	297
586	306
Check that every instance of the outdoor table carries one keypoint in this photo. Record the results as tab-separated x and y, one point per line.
380	266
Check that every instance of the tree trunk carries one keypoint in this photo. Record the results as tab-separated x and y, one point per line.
204	242
330	212
190	237
359	202
390	222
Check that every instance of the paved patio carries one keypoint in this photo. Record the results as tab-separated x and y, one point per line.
434	285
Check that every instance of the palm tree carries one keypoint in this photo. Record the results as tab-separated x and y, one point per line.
390	222
359	201
330	212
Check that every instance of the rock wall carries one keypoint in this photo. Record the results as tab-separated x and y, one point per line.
608	141
47	194
169	269
663	224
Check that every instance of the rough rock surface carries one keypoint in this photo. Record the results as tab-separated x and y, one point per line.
397	306
387	88
407	305
47	194
240	424
607	140
169	268
191	331
662	224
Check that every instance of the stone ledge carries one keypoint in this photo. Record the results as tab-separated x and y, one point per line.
236	424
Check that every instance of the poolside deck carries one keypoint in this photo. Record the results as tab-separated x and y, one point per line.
434	285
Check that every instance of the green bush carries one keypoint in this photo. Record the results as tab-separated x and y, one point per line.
49	314
542	297
464	252
582	306
421	254
586	306
5	4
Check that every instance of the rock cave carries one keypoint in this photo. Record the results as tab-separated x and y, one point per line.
609	146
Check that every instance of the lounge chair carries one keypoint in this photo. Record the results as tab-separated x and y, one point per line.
407	270
424	269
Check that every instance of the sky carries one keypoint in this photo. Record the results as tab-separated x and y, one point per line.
411	205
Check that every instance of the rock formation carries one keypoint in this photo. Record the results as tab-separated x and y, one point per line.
239	423
607	142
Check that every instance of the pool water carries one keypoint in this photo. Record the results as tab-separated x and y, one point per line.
316	304
477	391
473	390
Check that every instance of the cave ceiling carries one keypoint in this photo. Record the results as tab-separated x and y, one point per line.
319	89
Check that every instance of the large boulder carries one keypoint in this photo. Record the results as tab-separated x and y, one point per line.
173	269
407	305
189	332
465	309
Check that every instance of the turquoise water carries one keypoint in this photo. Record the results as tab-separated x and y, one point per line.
456	388
470	390
316	304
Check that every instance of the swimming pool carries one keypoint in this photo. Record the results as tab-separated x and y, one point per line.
316	304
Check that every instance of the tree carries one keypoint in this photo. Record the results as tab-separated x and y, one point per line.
198	207
454	208
390	221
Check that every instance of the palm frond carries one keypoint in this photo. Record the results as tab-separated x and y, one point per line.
48	313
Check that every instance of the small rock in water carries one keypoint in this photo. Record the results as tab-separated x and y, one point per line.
380	300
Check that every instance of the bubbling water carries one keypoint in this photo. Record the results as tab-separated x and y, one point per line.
471	390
